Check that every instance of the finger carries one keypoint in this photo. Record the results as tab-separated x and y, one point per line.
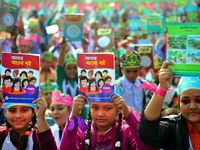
117	100
114	96
40	93
166	63
38	99
82	96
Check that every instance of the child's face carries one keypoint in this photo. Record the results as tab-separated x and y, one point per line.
108	81
98	76
46	64
47	97
131	74
17	84
93	84
71	71
101	83
83	73
19	116
25	83
7	73
24	48
105	73
23	76
89	75
30	74
33	82
84	83
103	114
59	113
14	74
190	105
7	82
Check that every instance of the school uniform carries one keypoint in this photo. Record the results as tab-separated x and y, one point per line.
57	132
75	139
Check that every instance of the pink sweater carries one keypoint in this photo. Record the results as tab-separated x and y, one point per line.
128	137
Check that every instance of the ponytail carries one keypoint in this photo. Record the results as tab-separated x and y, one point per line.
117	136
88	133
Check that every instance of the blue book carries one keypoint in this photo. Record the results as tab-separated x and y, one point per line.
8	16
73	27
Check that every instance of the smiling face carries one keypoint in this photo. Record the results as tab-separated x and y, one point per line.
84	83
19	117
71	70
25	84
17	85
59	113
101	83
93	84
189	104
7	82
103	114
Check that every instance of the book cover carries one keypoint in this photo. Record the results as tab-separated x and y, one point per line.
146	52
155	26
73	26
96	75
104	37
20	77
183	48
8	15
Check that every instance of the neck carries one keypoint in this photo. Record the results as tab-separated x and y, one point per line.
21	131
102	130
62	127
197	126
92	89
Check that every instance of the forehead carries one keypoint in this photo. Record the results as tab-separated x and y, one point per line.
57	105
101	104
192	92
131	69
18	107
71	65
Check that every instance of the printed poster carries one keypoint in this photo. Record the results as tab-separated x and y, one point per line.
8	16
73	26
104	37
183	48
20	77
146	52
134	23
96	76
155	26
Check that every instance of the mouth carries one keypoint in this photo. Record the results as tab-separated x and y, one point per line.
101	120
56	118
18	121
193	113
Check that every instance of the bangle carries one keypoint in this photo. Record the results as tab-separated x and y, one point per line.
161	92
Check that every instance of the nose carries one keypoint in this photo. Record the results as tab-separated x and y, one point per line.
101	113
193	105
18	115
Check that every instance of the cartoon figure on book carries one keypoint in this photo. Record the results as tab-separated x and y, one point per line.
16	87
105	131
92	88
15	74
178	132
7	80
19	131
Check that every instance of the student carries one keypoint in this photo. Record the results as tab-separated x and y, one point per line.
7	82
179	132
7	73
92	89
33	81
83	73
23	75
90	74
46	71
19	133
25	82
84	87
100	83
105	132
30	75
46	89
60	111
15	74
105	74
16	87
127	85
98	75
108	80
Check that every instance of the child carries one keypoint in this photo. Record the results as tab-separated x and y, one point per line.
60	111
92	89
90	74
108	80
107	132
33	81
7	73
7	82
30	73
100	83
25	82
15	74
84	87
105	74
180	132
23	75
16	87
19	134
98	75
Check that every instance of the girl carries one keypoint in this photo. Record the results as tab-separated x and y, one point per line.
98	75
23	75
25	82
107	132
100	83
179	132
19	134
92	89
16	88
60	111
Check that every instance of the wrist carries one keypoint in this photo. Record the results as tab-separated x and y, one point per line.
161	92
127	112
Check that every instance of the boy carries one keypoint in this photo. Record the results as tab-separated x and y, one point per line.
7	81
46	71
33	81
30	73
83	88
105	74
108	80
135	97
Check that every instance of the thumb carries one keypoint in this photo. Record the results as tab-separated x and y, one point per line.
40	93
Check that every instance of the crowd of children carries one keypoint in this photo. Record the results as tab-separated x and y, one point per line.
135	119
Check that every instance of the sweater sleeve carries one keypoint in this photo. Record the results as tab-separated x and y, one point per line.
71	139
46	140
60	76
133	122
155	133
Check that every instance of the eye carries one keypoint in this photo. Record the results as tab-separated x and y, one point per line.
52	109
127	71
107	108
135	71
24	109
185	101
95	108
198	100
60	108
12	110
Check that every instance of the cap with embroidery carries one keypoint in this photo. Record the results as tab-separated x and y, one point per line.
188	83
47	56
131	59
91	71
70	59
116	52
57	98
47	86
23	41
16	71
158	61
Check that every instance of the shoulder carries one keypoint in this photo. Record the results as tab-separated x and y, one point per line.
118	81
172	118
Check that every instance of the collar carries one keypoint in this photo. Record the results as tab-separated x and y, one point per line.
129	84
191	128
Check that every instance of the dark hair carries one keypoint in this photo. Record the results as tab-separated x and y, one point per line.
30	71
99	73
23	72
88	133
170	111
33	78
23	142
7	70
105	71
99	81
108	77
90	82
24	81
84	78
7	78
83	70
14	82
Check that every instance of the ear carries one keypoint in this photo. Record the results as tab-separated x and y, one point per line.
118	112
